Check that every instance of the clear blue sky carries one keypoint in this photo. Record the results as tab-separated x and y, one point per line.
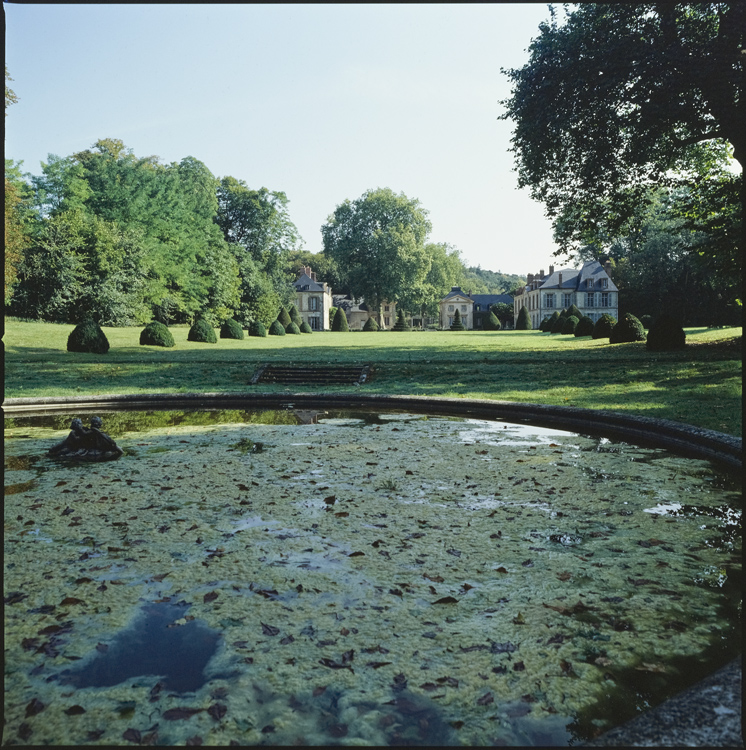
322	102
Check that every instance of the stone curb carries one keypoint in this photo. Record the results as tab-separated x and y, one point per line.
650	431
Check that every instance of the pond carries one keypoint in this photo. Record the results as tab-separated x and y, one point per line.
312	577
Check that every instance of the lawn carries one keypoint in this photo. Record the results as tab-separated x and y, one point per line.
700	385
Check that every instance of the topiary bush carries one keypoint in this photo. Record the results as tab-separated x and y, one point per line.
492	322
295	315
283	317
231	329
665	334
156	334
573	310
646	321
292	327
203	332
305	328
549	322
570	324
524	321
584	327
401	323
371	325
457	325
276	329
88	337
256	328
603	326
626	330
559	323
339	323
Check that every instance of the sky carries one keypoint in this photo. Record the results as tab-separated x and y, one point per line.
321	102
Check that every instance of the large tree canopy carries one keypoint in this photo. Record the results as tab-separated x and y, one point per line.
379	241
621	97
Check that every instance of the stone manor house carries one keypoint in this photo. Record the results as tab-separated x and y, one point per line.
590	289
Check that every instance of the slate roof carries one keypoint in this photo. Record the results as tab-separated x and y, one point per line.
349	305
487	300
456	291
586	279
306	284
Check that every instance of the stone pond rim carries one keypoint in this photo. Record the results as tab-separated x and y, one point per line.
646	729
681	438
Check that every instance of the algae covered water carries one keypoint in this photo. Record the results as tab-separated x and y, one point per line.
329	578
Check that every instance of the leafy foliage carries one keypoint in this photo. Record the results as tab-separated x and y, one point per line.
547	325
559	323
371	325
292	327
524	320
87	336
339	323
295	315
401	322
277	329
492	322
256	328
584	327
666	334
457	325
156	334
604	326
284	317
231	329
626	330
202	331
305	328
570	324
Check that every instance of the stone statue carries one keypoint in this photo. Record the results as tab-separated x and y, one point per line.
87	443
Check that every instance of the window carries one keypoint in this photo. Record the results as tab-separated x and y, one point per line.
477	307
463	308
314	323
566	300
604	283
450	308
605	299
385	308
313	303
589	299
549	300
386	320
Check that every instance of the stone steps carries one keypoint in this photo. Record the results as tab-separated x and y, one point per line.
312	375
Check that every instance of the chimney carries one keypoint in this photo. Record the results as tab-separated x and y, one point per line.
560	278
541	274
607	268
551	270
529	278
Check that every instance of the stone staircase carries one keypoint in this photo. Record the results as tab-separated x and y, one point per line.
312	375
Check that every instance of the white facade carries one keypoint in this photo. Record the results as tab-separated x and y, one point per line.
313	300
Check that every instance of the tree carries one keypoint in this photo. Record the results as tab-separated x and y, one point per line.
621	97
10	95
504	313
457	325
379	239
339	323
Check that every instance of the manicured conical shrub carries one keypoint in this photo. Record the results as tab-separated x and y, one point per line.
491	322
305	328
570	324
203	332
401	322
666	334
231	329
559	324
604	326
584	327
626	330
295	315
550	321
156	334
339	323
371	325
283	317
276	329
292	327
573	310
88	337
457	325
256	328
524	321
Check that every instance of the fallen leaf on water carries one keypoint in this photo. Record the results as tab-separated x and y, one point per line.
70	600
174	714
210	597
269	629
446	600
194	741
565	575
132	735
217	711
75	710
35	707
485	700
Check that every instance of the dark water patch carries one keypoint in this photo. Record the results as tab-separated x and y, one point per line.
152	645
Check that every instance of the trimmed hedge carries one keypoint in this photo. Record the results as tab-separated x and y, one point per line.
492	322
457	325
559	323
292	327
628	329
256	328
231	329
203	332
584	327
574	310
283	317
666	334
276	329
339	324
156	334
524	321
88	337
401	323
548	323
305	328
371	325
570	324
295	315
603	327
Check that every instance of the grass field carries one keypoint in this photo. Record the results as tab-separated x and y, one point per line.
700	385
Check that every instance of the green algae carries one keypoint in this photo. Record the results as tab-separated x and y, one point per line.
488	582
